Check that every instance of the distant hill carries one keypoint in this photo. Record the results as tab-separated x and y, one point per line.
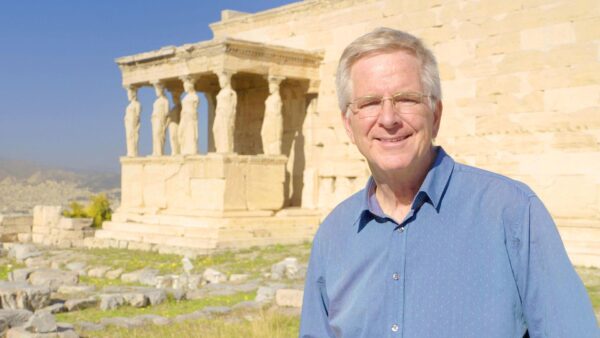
25	184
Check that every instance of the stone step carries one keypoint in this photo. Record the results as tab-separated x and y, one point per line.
188	242
159	229
201	219
209	234
266	232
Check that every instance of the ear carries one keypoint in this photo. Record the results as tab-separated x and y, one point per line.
437	118
347	124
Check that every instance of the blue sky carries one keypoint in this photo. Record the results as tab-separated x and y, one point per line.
61	100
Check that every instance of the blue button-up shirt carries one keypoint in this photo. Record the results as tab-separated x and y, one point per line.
478	255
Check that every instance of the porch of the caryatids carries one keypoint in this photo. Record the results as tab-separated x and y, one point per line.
272	127
132	121
223	127
188	125
160	111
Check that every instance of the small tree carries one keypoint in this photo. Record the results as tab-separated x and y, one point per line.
99	210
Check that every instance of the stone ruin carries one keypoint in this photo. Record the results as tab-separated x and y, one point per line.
248	189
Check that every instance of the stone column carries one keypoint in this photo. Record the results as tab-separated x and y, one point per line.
160	111
188	126
132	121
272	127
223	128
173	121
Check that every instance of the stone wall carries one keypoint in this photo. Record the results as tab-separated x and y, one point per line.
520	85
14	226
51	228
202	184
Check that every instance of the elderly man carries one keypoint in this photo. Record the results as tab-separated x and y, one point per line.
431	247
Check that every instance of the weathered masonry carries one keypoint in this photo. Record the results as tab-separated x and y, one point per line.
521	97
237	194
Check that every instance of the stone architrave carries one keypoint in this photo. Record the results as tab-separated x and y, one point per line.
272	127
173	121
132	121
160	111
188	126
223	127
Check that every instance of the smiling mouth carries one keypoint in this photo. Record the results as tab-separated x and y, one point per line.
394	139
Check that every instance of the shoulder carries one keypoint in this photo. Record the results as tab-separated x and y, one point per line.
479	180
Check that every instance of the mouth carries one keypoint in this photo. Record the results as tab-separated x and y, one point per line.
392	140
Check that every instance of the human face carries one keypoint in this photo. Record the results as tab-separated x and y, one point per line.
392	143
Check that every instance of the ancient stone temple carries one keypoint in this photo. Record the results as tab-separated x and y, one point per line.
245	191
521	97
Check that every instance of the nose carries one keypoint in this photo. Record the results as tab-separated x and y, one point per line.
388	117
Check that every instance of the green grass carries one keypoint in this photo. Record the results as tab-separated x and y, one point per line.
6	268
131	260
263	325
100	283
253	261
170	308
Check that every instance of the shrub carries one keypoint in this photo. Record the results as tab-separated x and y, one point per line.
77	210
98	210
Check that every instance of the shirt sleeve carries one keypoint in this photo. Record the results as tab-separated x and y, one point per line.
314	322
555	302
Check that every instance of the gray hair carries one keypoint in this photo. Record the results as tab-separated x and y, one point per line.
385	40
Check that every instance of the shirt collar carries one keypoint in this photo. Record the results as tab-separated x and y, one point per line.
433	188
437	178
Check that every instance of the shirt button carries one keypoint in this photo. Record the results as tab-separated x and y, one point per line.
396	276
401	230
395	328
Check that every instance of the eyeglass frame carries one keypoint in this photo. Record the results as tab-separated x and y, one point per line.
356	110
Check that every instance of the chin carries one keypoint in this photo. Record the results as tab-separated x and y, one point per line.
395	163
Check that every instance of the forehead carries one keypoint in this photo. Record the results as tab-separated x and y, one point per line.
386	73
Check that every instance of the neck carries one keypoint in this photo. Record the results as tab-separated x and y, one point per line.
396	190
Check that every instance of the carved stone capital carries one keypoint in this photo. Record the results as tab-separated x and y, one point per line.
224	76
275	79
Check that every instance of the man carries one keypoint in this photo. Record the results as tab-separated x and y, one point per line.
431	248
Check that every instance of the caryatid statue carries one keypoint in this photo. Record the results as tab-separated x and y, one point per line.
173	121
272	127
132	121
160	111
188	126
223	127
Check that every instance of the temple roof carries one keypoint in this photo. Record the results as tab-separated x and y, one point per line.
218	55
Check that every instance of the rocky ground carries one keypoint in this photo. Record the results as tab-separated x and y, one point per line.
71	293
49	292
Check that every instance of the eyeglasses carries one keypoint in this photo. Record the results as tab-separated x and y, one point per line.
402	103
